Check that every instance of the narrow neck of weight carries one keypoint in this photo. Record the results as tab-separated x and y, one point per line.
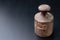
44	13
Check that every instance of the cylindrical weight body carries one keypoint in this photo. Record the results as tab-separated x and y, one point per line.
43	28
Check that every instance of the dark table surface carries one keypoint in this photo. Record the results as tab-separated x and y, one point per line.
17	18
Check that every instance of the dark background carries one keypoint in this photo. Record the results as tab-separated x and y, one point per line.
17	18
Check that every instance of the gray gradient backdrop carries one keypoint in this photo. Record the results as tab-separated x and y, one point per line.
16	19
